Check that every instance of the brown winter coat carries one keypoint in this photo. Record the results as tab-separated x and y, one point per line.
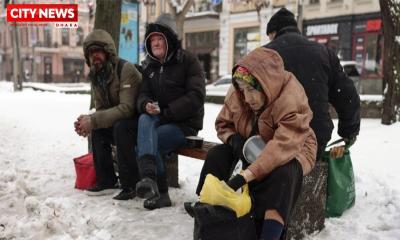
119	102
284	122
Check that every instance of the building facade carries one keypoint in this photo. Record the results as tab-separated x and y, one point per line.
201	36
353	29
243	28
48	54
218	32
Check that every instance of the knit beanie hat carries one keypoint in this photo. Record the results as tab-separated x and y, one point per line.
282	18
242	74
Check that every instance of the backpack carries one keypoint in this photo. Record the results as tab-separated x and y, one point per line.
213	222
120	65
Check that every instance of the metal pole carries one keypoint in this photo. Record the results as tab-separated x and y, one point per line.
17	70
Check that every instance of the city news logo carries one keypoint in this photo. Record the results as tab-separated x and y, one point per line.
62	15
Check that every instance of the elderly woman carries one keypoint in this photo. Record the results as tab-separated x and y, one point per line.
268	101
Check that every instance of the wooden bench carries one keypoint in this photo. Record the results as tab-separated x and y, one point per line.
308	214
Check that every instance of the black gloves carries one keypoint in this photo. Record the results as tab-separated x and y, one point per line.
236	142
350	141
236	182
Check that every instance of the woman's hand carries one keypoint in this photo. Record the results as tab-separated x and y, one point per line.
241	179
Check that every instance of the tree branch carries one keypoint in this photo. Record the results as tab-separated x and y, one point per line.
186	7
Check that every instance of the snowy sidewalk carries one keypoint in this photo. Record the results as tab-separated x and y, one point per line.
38	201
82	88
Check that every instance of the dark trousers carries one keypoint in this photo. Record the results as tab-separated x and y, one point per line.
123	134
321	150
279	190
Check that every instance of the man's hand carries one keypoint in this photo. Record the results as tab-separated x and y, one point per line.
77	129
83	125
337	152
152	109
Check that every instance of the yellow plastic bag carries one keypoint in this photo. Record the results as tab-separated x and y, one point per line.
216	192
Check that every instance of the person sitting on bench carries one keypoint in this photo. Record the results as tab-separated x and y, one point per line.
171	103
268	101
114	88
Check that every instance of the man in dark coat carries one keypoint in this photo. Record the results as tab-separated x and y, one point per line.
319	71
114	89
171	103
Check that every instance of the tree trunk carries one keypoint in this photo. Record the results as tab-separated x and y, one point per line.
390	10
108	18
180	16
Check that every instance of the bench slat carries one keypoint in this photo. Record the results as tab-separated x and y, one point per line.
199	153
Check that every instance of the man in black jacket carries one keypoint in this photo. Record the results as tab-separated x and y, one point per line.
171	103
319	71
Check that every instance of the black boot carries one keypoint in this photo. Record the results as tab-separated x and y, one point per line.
126	194
159	201
147	166
147	188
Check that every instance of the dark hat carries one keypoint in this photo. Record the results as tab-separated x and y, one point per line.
95	46
282	18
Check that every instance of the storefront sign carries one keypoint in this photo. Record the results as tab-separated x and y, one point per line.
373	25
323	29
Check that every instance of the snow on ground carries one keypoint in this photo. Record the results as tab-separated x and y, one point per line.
38	201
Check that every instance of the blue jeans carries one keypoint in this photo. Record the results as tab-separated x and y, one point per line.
158	140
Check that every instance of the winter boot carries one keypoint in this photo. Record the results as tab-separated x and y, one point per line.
147	166
160	201
147	188
126	194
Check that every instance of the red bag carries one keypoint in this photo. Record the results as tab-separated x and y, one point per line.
85	172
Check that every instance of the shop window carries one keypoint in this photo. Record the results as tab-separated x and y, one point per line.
23	36
65	36
47	37
373	54
333	44
201	40
79	36
246	40
73	69
368	53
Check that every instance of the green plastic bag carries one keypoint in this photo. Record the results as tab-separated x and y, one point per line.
341	193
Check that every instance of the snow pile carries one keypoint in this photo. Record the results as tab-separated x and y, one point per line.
38	201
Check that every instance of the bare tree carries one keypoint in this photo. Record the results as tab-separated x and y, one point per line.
390	10
178	11
259	4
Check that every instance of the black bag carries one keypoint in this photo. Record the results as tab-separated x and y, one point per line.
217	222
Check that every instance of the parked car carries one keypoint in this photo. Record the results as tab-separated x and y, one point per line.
219	87
222	85
353	70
